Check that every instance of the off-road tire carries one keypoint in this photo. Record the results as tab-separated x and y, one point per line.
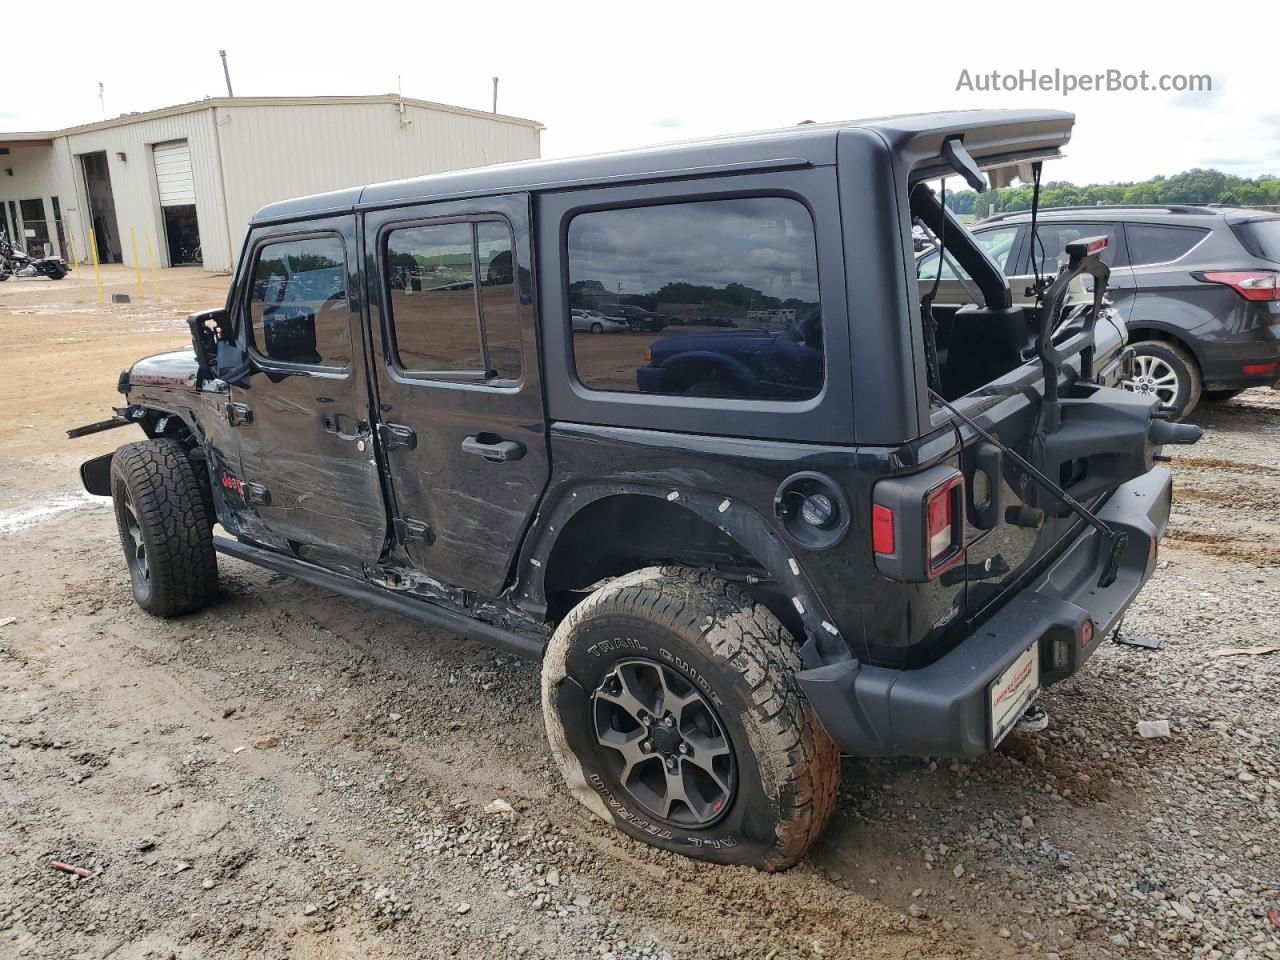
1185	368
733	650
1218	396
154	484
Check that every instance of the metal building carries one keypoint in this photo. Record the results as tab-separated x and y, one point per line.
186	179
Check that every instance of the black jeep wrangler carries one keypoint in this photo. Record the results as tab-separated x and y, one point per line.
886	543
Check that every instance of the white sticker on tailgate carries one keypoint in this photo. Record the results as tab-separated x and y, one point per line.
1012	692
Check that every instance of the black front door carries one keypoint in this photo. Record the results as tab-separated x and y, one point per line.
458	388
309	481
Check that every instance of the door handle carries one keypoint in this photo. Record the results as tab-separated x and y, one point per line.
346	428
492	448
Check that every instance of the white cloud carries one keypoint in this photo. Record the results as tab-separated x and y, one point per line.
604	76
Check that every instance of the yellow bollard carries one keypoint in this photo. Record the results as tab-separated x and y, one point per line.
97	274
151	264
71	242
137	263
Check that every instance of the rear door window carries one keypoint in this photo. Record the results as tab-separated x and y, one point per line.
298	309
719	299
452	302
1052	238
1160	243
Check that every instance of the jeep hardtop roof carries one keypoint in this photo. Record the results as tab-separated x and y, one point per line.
992	137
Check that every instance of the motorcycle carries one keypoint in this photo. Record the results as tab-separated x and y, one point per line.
14	262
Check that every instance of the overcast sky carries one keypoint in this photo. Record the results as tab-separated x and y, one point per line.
611	75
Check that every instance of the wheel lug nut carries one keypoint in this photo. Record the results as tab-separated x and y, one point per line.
669	720
646	745
684	748
671	763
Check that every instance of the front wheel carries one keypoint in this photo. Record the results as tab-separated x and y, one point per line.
165	529
673	712
597	328
1166	372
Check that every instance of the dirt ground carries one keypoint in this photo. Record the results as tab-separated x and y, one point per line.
291	773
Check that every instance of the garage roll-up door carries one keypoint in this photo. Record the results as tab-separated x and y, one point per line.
173	173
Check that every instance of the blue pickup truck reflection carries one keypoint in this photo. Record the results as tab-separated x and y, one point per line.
745	364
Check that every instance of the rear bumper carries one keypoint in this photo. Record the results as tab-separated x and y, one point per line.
942	710
1245	360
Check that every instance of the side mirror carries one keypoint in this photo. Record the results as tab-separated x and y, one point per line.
207	331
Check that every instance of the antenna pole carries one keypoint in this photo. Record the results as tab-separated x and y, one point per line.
495	94
225	72
102	99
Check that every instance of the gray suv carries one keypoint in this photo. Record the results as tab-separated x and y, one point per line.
1198	287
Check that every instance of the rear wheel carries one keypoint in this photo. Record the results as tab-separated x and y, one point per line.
1166	372
674	713
165	529
1217	396
57	273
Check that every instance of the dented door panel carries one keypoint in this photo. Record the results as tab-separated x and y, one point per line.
309	482
466	453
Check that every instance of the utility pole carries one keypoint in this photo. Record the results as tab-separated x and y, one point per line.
495	94
225	72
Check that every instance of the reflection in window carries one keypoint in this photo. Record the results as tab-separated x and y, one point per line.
433	298
709	298
298	302
498	299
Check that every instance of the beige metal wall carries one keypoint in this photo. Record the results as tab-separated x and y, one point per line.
133	183
247	154
39	172
275	152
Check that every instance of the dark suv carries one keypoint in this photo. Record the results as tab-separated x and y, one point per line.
862	543
1198	287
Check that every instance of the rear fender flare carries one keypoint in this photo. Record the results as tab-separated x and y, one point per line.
824	642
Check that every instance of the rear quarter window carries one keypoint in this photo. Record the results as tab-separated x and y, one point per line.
1261	238
713	298
1160	243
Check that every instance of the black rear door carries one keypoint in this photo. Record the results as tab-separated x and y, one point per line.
458	387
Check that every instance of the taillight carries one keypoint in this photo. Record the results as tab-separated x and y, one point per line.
882	539
917	523
1250	284
944	510
1259	369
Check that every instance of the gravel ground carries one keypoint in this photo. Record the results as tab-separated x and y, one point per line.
293	774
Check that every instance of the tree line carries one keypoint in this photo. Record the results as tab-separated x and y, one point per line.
1191	186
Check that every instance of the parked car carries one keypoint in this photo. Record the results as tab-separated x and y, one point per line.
638	319
1198	287
593	321
727	587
